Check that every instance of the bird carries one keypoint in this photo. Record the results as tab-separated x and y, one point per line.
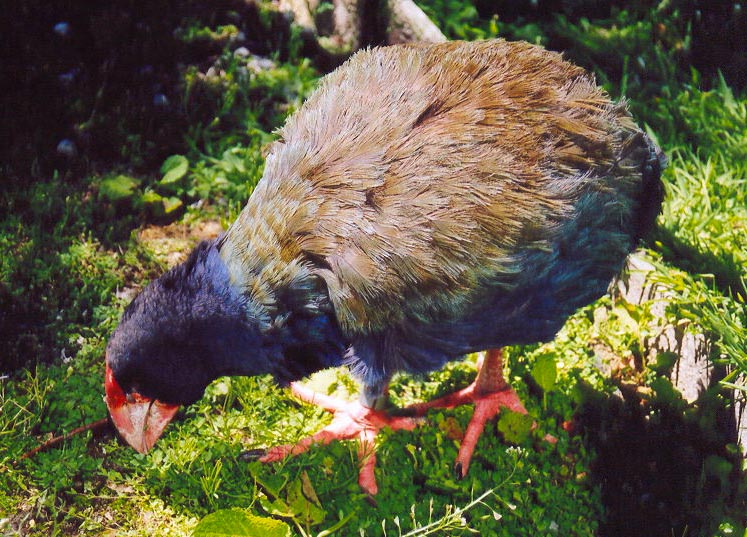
424	203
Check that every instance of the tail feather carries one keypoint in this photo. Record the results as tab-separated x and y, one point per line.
652	189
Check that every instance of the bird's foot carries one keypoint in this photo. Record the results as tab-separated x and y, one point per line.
487	406
351	421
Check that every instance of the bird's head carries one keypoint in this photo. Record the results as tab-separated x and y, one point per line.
150	373
180	333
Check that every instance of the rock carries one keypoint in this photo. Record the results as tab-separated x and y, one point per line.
160	100
62	29
259	63
67	148
66	79
693	372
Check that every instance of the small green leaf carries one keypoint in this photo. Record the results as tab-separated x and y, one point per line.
276	506
627	321
718	467
173	169
303	500
308	489
118	188
545	372
271	484
149	197
171	204
514	426
239	523
665	391
153	202
665	362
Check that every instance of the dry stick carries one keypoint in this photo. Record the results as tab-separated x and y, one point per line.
58	439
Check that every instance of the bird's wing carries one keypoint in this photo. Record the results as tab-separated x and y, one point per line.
416	176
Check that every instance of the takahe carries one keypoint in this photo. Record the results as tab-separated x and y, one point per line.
424	203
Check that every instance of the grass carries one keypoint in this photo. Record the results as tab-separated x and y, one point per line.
632	454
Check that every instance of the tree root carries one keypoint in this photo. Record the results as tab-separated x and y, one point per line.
337	30
98	424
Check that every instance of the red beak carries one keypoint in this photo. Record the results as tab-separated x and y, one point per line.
139	420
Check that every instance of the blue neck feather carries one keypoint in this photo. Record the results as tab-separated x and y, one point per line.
301	338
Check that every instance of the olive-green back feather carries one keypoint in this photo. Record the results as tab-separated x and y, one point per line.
416	176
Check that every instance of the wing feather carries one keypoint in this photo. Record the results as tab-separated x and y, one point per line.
416	177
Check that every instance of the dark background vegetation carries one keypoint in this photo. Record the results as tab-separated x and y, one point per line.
96	84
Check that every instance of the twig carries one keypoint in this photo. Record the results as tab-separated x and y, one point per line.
58	439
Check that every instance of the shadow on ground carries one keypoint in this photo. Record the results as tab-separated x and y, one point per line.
666	468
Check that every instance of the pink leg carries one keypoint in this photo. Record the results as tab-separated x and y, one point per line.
351	420
489	393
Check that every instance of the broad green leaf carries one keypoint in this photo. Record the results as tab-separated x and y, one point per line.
238	523
545	372
173	169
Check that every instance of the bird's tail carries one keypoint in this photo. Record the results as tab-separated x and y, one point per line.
652	189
